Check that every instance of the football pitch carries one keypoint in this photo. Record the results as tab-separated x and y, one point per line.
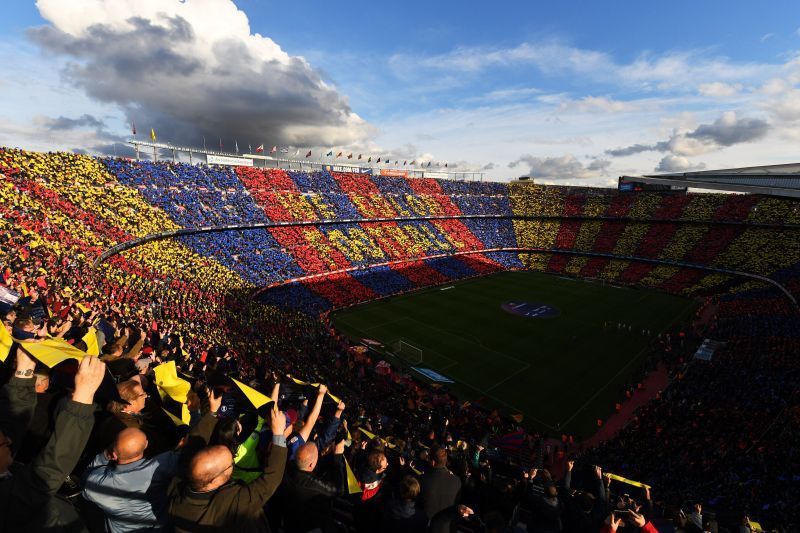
525	342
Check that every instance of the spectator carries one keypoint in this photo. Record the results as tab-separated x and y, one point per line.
304	498
129	489
205	500
440	487
28	493
131	414
403	514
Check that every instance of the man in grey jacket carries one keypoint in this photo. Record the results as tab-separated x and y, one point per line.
131	490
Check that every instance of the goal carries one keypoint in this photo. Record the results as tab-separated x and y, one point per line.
407	351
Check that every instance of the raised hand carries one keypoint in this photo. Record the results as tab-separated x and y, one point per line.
214	401
277	421
636	519
90	374
613	522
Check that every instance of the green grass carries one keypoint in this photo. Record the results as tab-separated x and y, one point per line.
562	373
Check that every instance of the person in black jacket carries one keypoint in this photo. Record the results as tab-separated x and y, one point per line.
304	499
402	514
440	487
27	492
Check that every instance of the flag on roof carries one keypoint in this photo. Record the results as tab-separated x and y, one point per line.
330	153
259	148
339	154
379	160
133	127
284	150
308	154
273	150
359	156
350	156
153	134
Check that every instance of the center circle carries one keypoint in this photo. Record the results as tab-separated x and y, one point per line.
530	309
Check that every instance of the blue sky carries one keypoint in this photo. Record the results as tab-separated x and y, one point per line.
570	92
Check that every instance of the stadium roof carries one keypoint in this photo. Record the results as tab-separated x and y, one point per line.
776	180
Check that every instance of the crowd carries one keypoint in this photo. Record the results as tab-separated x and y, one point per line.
201	196
148	431
654	225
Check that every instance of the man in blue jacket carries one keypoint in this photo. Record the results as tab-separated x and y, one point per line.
131	490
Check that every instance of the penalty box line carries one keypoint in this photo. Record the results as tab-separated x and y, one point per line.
453	363
486	392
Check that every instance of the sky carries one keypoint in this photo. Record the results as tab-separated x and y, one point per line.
566	92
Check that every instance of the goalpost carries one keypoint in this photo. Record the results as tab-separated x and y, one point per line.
407	351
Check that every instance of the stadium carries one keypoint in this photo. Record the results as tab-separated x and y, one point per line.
299	338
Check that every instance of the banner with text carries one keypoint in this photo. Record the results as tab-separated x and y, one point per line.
394	173
436	175
227	160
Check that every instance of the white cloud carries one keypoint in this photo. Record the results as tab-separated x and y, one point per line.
676	163
673	70
506	95
727	130
593	104
195	68
559	168
719	90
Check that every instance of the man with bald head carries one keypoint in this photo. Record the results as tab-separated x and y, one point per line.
304	498
130	490
207	500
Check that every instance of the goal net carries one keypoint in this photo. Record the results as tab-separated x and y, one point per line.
407	351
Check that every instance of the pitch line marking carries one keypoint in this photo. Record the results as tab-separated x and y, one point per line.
634	359
520	371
